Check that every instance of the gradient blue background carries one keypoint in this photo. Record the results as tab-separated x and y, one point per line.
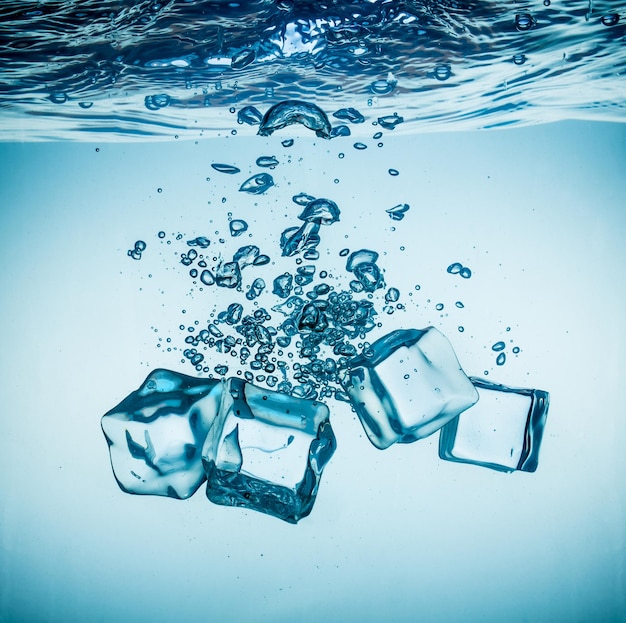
537	213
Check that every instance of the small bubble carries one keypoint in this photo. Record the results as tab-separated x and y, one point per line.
161	234
524	21
231	109
406	376
229	169
498	346
344	252
97	149
58	98
159	190
340	155
461	328
459	305
611	19
443	72
288	142
500	359
439	306
516	350
465	272
382	87
394	172
377	136
360	146
519	59
237	227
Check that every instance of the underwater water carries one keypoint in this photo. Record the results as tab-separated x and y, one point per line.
147	224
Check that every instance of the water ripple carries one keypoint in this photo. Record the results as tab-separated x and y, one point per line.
156	69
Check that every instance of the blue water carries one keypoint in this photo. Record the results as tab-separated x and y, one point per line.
130	154
104	70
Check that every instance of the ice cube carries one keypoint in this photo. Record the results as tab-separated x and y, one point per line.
266	451
155	434
408	386
502	431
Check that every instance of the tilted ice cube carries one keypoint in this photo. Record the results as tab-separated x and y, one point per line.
409	386
503	431
155	434
266	451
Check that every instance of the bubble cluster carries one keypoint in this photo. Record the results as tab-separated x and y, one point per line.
458	269
139	248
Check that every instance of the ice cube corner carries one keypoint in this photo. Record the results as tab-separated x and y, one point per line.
266	451
503	431
155	435
407	386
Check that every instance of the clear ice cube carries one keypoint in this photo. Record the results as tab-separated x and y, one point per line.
407	386
266	451
155	434
502	431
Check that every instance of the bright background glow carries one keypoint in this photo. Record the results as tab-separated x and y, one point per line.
537	213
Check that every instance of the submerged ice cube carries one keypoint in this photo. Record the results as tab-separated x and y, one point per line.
409	386
155	434
502	431
266	451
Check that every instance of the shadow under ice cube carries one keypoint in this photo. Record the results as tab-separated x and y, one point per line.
155	435
409	386
266	451
502	431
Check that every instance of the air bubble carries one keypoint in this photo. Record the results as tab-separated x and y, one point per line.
257	184
389	122
611	19
381	87
237	227
349	114
225	168
524	21
58	97
267	161
249	115
465	272
442	72
292	111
